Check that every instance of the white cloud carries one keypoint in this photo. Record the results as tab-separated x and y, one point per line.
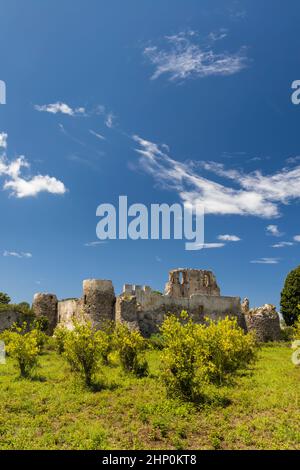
21	186
292	160
229	238
110	120
60	107
96	243
282	244
265	261
218	35
273	230
17	254
297	238
96	134
213	245
249	194
183	58
3	140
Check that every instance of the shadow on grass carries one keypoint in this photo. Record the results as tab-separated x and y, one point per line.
101	385
31	378
38	378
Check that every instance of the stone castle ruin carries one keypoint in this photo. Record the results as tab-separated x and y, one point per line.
193	290
140	307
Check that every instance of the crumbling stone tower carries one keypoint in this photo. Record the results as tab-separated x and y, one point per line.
45	305
186	282
98	301
265	322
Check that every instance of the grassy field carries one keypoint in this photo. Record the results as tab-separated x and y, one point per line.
261	411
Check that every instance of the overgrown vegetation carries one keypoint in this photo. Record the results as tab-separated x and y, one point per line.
296	330
189	387
195	355
261	410
290	297
83	349
4	298
60	335
130	346
23	346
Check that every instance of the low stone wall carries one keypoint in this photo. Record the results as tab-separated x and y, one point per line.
8	318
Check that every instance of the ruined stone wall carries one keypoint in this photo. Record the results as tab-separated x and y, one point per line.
68	311
46	305
8	318
195	291
265	322
127	311
186	282
147	309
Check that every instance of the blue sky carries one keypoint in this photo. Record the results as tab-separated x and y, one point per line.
209	83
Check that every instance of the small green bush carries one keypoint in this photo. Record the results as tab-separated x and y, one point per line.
287	333
107	334
41	323
179	358
83	350
4	298
130	346
156	341
60	335
22	345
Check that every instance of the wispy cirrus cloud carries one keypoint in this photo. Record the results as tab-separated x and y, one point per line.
95	243
265	261
97	134
182	57
282	244
22	186
17	254
241	194
3	140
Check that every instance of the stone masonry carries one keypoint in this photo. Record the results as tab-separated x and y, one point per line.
46	305
141	308
265	322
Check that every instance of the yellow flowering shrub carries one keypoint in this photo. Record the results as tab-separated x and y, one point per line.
197	354
83	348
60	335
23	346
225	348
130	345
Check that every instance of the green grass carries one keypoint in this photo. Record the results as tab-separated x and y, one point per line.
53	411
